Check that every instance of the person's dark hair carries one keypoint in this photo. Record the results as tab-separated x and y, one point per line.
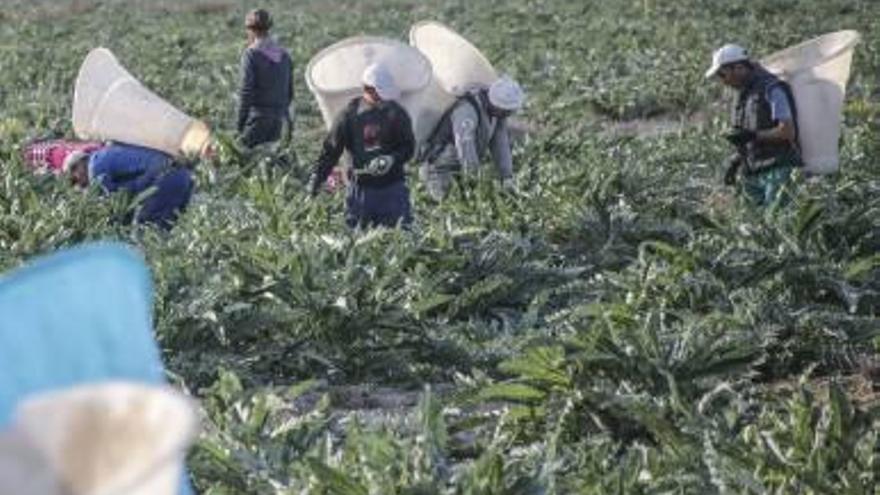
258	20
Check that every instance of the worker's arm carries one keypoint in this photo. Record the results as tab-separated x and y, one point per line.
246	92
780	110
501	152
287	109
406	143
115	167
782	133
464	131
290	92
334	145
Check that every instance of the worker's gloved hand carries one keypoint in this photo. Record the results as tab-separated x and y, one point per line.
379	165
733	164
730	176
740	136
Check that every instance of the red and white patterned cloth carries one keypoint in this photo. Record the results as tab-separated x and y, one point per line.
49	155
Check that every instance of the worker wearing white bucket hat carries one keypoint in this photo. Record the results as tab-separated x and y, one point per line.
377	133
475	123
764	126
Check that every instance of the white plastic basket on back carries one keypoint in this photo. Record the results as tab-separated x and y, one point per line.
818	71
111	104
458	67
334	75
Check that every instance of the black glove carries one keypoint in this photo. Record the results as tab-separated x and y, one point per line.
733	164
740	137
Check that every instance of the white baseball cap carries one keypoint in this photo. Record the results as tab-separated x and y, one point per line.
725	55
379	76
506	94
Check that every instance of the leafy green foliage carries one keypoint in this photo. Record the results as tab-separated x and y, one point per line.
620	324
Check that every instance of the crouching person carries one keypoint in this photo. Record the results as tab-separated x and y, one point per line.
475	124
377	133
133	169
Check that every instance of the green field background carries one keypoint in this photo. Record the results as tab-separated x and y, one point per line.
622	324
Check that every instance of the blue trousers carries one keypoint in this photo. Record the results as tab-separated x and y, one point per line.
386	206
172	195
769	186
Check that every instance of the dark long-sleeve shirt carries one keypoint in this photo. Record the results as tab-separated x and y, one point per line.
266	82
366	132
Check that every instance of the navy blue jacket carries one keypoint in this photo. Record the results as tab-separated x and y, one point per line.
266	82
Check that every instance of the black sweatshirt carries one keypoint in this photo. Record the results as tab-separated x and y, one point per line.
368	131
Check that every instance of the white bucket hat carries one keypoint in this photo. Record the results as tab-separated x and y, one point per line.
72	158
725	55
378	76
506	94
119	438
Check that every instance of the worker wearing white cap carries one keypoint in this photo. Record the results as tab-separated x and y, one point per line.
475	123
764	125
378	77
378	135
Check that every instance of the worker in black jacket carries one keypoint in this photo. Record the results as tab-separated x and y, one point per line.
377	133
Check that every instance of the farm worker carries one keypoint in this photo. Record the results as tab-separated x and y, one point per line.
266	84
765	131
133	169
475	123
377	133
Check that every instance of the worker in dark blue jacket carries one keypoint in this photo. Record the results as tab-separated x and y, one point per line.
134	169
266	84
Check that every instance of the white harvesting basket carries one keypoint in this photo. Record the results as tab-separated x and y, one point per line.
817	71
458	67
111	104
334	74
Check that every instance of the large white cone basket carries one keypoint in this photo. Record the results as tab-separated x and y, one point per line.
458	65
334	75
817	71
110	104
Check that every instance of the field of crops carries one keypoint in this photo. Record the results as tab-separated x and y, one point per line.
623	324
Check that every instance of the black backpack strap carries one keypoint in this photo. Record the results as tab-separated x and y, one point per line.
434	145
